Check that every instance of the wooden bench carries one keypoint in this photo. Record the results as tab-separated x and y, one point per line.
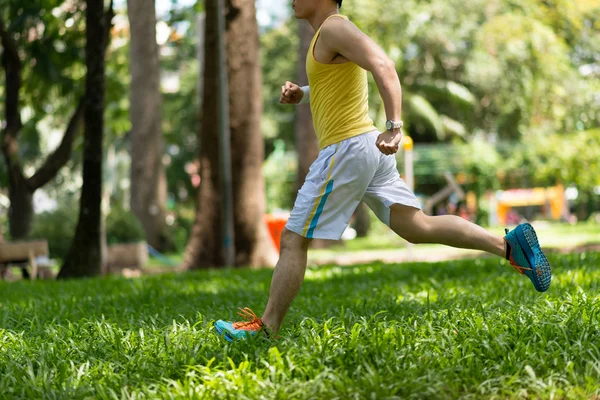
23	252
126	255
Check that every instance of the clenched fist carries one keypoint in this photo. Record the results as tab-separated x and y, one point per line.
291	94
389	141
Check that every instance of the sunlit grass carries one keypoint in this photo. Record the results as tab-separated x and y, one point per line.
470	329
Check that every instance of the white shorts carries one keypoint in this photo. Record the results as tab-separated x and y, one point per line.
342	175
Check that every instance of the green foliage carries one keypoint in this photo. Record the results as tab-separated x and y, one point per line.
471	328
181	229
279	172
58	228
538	160
568	159
118	79
279	56
181	109
483	161
50	39
122	226
510	66
422	116
180	133
4	222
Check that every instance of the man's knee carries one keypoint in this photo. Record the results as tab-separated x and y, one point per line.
291	241
411	224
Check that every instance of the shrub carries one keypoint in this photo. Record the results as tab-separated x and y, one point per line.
58	228
279	172
123	227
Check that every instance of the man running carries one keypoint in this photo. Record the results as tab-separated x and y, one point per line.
356	162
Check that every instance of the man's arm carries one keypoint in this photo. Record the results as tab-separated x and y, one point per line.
343	37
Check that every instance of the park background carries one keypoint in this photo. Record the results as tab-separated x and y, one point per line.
110	132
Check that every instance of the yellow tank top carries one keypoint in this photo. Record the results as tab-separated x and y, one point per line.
339	98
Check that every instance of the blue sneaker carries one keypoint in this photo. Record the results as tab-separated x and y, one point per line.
526	256
240	330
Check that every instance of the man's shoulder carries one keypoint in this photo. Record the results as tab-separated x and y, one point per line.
336	21
336	27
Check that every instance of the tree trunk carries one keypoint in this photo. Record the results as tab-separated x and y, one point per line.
19	193
253	244
20	214
85	257
204	246
362	223
307	145
252	241
148	179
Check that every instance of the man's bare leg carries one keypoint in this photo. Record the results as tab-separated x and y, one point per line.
416	227
287	278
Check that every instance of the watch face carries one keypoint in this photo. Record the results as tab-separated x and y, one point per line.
389	125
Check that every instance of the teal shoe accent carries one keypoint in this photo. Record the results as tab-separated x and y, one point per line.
231	334
240	330
527	256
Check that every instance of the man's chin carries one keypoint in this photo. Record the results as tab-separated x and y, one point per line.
298	16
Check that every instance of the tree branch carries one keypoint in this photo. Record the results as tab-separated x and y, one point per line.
62	154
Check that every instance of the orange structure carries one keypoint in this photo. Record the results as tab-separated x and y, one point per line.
276	223
551	199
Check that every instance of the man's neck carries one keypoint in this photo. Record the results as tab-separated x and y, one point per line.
320	16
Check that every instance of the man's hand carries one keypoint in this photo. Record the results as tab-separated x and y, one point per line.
291	93
389	141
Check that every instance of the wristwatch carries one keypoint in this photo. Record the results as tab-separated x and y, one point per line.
393	125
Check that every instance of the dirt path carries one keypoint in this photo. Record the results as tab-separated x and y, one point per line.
421	255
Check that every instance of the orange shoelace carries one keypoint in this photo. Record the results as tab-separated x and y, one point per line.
517	267
510	258
253	323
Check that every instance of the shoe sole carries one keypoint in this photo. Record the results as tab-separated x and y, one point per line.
528	241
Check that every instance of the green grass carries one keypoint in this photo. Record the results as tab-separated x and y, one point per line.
469	329
174	259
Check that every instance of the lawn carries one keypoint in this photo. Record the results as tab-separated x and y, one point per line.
469	329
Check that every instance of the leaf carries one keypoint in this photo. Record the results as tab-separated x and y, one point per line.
453	127
453	93
422	110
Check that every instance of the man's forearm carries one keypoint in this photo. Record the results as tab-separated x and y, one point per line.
391	92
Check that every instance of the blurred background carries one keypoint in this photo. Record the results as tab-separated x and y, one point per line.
501	99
